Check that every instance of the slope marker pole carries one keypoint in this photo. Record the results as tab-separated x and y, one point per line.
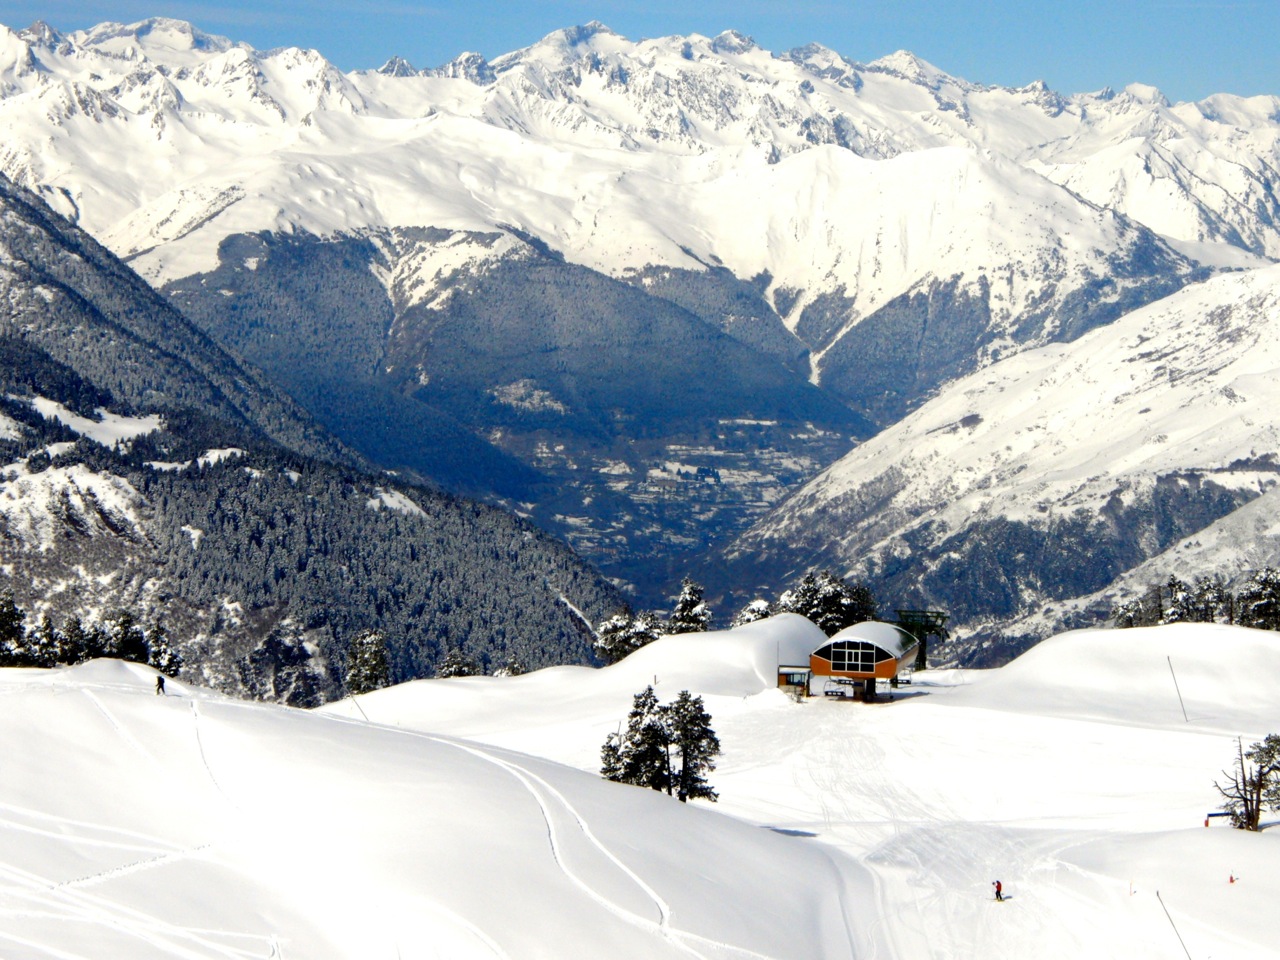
352	698
1174	925
1176	687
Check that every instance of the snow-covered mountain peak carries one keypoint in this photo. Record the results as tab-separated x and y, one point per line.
732	42
397	67
469	66
1145	93
39	34
566	45
642	125
174	43
905	64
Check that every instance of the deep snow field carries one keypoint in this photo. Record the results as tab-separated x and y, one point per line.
444	818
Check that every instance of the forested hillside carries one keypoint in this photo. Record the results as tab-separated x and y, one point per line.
144	469
486	362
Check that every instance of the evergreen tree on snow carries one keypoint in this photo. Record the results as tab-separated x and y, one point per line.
13	630
755	610
1252	784
1258	604
367	667
612	641
691	735
1129	613
1174	601
656	739
512	668
646	628
1212	600
285	667
73	646
611	758
691	613
128	641
642	755
829	601
455	663
1179	605
98	642
623	633
164	656
802	598
44	643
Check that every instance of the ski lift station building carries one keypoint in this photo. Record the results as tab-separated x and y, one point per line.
855	658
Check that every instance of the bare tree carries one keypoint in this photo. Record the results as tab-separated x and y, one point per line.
1254	782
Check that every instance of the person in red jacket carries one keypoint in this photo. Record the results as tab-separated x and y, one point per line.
999	889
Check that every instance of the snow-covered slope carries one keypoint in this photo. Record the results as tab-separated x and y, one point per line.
1047	475
436	819
139	826
1070	774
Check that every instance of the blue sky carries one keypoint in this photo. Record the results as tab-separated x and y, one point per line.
1188	48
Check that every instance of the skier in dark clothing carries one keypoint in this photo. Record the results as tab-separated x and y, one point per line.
160	685
999	889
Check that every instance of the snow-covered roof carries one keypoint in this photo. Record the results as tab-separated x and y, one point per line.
887	636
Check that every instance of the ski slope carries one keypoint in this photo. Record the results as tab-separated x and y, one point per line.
1070	774
444	818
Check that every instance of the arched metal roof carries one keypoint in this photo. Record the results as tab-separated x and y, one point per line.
889	637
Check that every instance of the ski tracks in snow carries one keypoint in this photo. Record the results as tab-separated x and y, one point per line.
544	795
70	902
119	728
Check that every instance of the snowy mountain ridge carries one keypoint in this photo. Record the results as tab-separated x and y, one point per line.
881	229
572	137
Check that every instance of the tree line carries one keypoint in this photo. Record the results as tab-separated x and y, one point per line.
830	602
46	645
1206	600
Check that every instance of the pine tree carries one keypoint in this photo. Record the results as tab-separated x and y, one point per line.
613	637
840	604
691	734
44	643
285	667
163	655
646	628
13	631
98	642
830	602
455	663
512	668
755	610
1253	783
127	639
1211	600
802	598
1144	611
1258	604
691	613
1180	604
623	634
642	756
611	758
74	646
367	667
